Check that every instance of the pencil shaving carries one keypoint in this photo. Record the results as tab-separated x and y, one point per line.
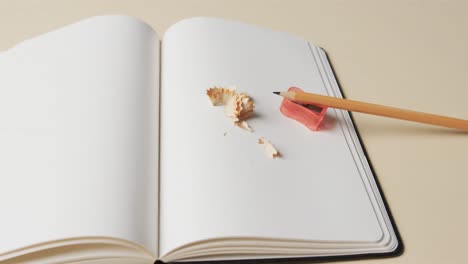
219	95
243	125
239	107
269	149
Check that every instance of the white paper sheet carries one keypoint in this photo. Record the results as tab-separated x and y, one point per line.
223	186
78	134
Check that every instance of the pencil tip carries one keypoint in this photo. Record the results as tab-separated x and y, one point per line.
276	93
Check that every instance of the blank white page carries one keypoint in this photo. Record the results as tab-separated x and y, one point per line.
78	134
216	185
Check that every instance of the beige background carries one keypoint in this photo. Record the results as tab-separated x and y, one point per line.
410	54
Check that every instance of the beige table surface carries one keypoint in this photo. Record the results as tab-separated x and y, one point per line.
411	54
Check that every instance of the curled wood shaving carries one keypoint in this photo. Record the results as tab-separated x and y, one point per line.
239	107
220	96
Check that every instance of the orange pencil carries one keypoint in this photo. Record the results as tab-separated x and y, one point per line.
375	109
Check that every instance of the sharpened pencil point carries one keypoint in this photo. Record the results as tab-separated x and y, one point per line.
276	93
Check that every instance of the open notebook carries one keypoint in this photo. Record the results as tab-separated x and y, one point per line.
111	150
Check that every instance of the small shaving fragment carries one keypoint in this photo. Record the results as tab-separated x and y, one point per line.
243	125
270	150
239	107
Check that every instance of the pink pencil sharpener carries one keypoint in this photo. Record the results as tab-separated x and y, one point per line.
310	115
